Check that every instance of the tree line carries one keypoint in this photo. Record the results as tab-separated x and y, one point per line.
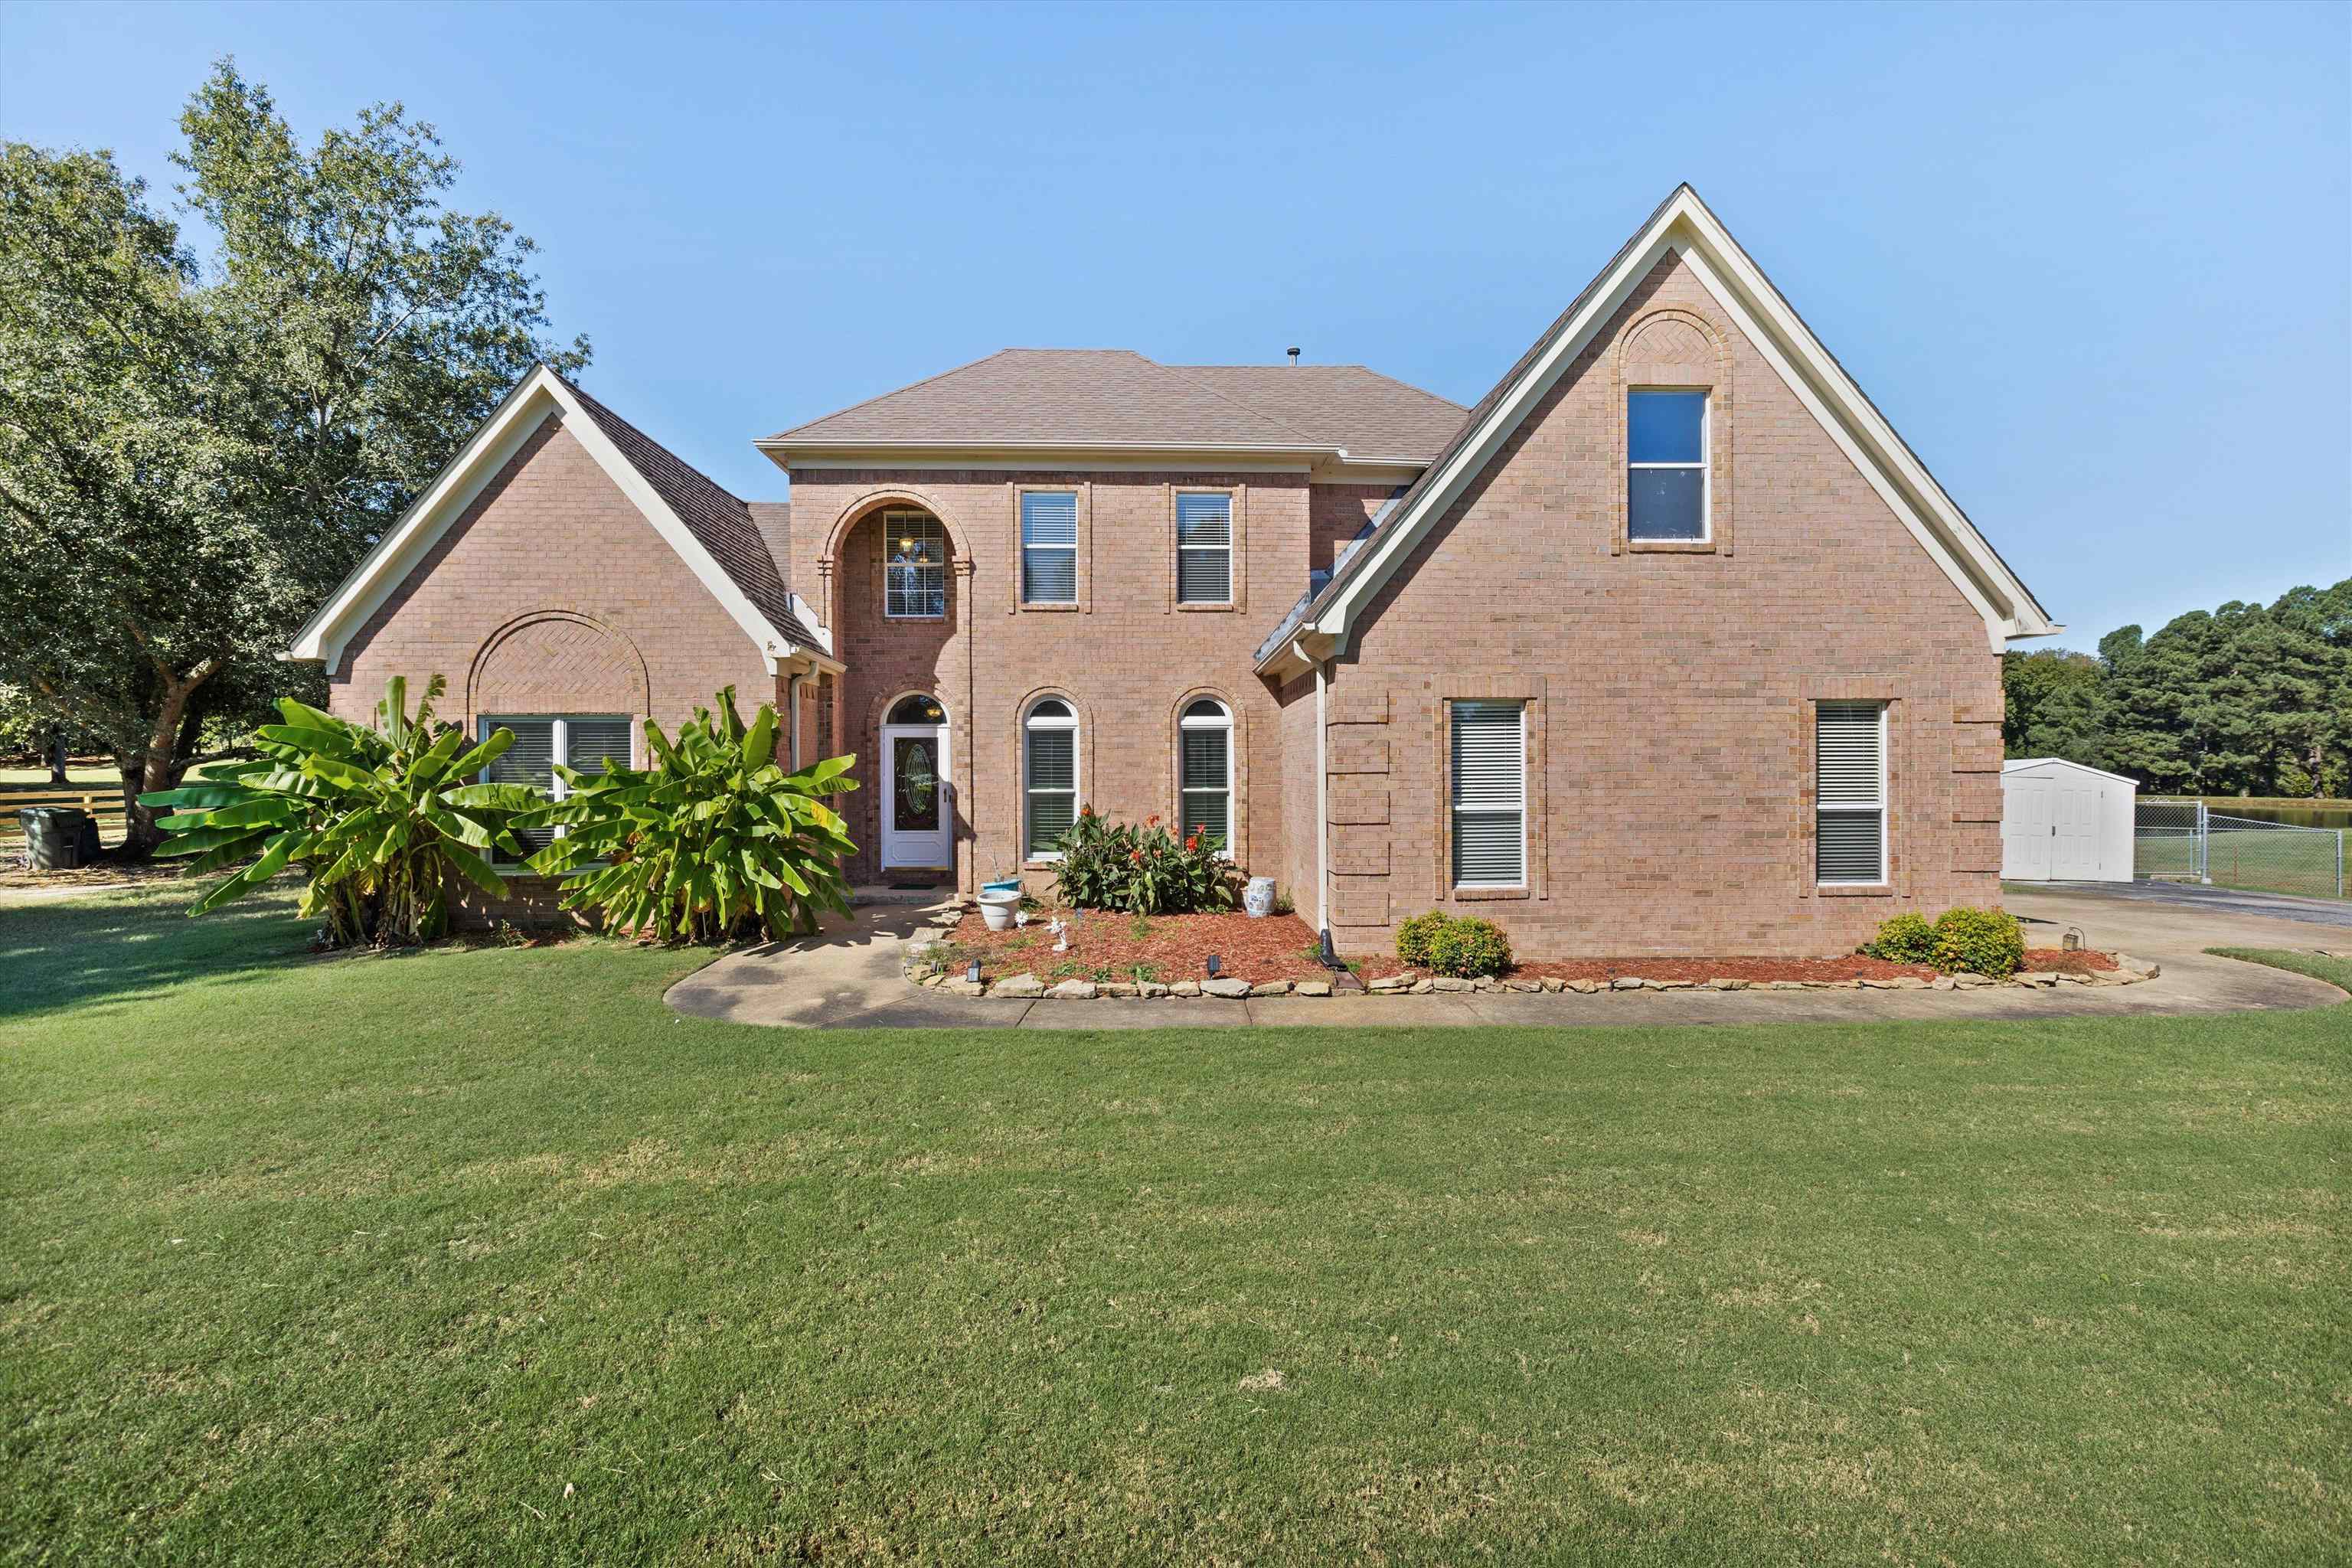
2245	699
196	445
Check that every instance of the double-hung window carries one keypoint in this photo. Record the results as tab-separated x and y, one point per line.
1049	765
1205	766
1666	468
1049	547
581	742
917	576
1850	793
1490	794
1204	547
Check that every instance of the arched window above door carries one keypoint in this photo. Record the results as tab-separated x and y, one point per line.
917	709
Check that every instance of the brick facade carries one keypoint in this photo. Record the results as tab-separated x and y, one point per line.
552	594
1670	690
1126	656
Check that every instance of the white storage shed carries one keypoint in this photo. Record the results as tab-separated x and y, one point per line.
2063	822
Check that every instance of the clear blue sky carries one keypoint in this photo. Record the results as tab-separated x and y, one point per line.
2095	262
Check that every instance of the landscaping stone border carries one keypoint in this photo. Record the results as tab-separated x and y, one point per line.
922	969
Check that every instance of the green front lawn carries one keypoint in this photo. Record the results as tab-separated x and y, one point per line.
485	1255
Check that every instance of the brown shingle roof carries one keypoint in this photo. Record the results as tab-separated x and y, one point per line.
1112	397
1344	406
724	525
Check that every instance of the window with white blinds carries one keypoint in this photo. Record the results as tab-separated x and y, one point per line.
1205	772
1049	547
1204	548
1049	767
1490	794
581	742
1850	791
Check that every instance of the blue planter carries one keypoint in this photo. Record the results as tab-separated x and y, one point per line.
1010	885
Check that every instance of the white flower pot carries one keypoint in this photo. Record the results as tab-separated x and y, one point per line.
996	910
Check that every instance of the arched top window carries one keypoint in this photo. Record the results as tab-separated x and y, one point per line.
1204	766
916	709
915	548
1049	775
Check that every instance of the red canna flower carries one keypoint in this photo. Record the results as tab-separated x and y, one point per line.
1152	821
1085	811
1136	855
1192	845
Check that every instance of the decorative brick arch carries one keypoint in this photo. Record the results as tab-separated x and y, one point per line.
1673	346
558	661
873	501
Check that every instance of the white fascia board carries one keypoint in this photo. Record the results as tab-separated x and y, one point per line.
396	552
1685	228
773	646
454	488
1125	456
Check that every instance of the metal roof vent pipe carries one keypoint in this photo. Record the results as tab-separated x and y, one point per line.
1294	359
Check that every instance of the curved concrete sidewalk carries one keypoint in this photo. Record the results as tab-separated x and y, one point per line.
849	978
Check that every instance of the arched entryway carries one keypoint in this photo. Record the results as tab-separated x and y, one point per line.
918	809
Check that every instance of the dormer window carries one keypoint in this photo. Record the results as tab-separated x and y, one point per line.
1666	467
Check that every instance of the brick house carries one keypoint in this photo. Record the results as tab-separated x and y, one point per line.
1668	646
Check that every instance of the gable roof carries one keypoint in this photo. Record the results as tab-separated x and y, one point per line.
1098	398
712	531
724	525
1685	227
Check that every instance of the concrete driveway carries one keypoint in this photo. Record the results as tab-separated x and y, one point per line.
2210	900
849	977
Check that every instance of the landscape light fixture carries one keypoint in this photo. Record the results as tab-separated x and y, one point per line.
1214	966
972	973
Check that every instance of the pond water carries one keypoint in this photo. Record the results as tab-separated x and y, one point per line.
2337	817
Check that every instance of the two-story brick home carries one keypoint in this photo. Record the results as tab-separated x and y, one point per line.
1669	645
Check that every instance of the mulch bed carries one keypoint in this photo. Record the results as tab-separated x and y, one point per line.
1278	948
2058	961
1177	947
102	873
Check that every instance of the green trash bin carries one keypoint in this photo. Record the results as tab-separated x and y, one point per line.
57	837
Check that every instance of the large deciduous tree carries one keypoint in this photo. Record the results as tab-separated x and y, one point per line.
193	450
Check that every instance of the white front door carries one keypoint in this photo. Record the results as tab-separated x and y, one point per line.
915	813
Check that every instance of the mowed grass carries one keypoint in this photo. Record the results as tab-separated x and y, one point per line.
485	1257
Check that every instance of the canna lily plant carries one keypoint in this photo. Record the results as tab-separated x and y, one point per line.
712	842
385	820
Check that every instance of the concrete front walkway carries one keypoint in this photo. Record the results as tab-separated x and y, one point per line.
849	977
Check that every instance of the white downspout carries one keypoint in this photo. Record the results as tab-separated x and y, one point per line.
792	706
1322	811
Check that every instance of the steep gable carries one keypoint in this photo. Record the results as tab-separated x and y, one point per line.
1685	230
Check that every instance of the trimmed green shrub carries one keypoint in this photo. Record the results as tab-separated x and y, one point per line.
1984	942
1413	937
1905	939
1467	948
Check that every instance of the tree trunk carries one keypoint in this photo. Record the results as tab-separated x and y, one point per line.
57	756
158	768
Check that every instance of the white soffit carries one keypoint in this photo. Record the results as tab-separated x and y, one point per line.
454	488
1684	228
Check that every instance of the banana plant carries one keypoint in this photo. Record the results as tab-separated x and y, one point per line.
714	841
384	821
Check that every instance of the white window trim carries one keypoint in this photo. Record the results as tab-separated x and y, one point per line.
1224	721
1847	808
890	522
1030	722
1453	812
1227	547
1021	541
1705	465
559	747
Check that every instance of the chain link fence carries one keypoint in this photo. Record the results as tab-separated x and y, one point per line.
2181	840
